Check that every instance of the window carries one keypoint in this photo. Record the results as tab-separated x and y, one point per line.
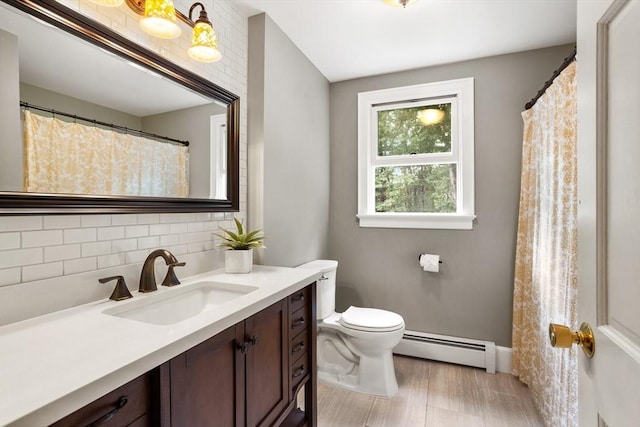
415	156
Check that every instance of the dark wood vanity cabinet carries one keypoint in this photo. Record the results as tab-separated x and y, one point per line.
135	404
258	372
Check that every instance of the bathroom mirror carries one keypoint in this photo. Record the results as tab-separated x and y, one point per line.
83	70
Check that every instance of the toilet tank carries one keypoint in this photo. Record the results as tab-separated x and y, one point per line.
326	286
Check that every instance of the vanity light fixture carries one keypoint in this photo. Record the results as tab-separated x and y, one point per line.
204	45
400	3
160	19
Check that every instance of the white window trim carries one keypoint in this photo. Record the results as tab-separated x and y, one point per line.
462	89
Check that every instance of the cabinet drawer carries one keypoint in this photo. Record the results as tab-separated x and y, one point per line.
299	371
133	400
298	322
298	299
298	346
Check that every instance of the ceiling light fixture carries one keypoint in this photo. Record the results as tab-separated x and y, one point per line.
430	116
400	3
204	45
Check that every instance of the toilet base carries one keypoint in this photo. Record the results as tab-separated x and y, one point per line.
378	374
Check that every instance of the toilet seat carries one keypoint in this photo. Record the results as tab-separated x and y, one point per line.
371	320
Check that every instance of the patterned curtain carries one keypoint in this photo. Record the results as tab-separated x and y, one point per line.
545	289
62	157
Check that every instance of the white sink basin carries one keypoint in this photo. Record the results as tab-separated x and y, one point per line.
167	308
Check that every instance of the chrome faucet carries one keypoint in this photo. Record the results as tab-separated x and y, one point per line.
148	276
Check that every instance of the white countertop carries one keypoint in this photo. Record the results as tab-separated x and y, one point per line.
55	364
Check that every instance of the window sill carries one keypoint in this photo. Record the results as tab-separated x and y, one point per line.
417	221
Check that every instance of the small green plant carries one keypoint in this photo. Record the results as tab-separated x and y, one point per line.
239	241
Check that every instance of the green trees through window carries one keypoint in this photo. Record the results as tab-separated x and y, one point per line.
406	186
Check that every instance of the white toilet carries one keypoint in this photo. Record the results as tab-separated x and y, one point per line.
354	347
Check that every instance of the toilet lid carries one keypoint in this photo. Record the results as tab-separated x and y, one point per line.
371	319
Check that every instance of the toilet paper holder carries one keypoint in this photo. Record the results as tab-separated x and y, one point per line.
419	255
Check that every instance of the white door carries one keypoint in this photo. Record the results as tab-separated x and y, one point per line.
609	209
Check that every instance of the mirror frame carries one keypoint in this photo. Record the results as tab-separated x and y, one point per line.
23	203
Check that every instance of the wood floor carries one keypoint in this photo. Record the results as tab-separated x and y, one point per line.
433	394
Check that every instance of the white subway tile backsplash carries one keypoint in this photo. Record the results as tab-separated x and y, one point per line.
149	219
61	221
124	245
32	239
136	231
9	241
179	228
20	223
95	220
41	271
136	256
113	260
20	257
110	233
124	219
9	276
169	240
59	253
80	265
158	229
96	248
148	242
80	235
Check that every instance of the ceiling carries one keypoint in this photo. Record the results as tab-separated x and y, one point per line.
346	39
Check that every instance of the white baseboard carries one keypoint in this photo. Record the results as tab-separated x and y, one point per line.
461	351
503	359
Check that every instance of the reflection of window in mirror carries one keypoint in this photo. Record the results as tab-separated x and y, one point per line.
218	152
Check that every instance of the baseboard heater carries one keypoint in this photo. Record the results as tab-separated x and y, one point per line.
461	351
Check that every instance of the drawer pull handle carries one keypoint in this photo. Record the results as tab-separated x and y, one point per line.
253	340
106	417
298	372
298	322
297	348
323	277
299	297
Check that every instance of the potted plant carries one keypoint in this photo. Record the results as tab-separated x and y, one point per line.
239	255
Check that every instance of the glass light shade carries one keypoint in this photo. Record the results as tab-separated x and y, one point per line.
160	19
430	116
204	45
108	3
400	3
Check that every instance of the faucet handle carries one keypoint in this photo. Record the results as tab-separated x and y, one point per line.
120	292
171	279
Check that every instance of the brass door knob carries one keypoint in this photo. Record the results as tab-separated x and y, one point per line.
562	337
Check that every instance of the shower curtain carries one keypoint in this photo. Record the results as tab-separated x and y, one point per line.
545	288
62	157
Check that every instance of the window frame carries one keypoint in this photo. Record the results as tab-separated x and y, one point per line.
460	93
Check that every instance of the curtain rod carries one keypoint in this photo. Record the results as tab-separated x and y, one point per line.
568	60
97	122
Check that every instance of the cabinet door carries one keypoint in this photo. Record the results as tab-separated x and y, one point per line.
267	368
207	383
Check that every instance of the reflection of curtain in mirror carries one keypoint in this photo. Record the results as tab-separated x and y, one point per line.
63	157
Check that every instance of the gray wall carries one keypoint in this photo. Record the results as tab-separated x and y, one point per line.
472	295
10	134
288	147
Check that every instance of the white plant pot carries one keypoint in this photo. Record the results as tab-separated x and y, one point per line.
238	261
